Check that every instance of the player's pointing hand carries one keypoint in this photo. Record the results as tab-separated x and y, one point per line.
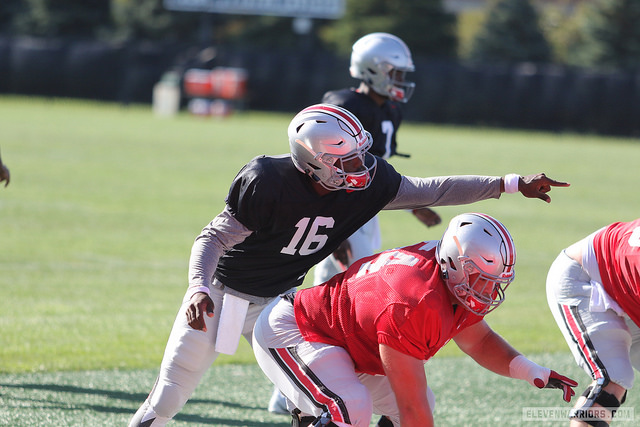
536	186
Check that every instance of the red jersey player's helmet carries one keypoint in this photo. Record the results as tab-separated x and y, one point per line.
381	60
477	245
329	144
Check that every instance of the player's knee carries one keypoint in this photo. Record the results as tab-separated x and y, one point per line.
168	398
172	390
598	404
360	410
192	351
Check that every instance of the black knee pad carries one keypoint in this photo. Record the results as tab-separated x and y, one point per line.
298	421
384	422
596	394
310	421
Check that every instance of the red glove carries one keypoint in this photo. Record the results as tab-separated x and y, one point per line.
559	381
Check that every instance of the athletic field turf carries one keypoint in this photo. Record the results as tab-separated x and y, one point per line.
105	201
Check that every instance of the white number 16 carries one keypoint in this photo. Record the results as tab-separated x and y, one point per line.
314	241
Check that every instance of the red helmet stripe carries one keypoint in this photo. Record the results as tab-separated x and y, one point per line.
341	113
506	237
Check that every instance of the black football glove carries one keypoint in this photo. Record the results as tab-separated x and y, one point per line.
559	381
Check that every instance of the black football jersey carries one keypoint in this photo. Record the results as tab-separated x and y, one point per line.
293	227
381	121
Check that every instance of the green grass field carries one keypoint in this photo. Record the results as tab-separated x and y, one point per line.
105	201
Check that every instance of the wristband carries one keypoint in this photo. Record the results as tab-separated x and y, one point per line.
511	181
195	289
524	369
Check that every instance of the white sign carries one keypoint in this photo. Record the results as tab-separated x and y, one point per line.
329	9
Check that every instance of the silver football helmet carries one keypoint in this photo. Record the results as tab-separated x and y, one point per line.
381	60
329	144
477	243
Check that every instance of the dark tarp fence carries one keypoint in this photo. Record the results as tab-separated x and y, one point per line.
528	96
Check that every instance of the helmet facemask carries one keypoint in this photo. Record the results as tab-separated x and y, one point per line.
485	293
394	86
342	172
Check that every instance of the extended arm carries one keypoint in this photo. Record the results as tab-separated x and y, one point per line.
491	351
444	191
218	236
486	347
464	189
409	383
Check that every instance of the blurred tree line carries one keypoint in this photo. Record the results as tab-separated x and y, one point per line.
595	34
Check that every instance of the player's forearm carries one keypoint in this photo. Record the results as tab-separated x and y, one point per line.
488	349
416	416
445	191
496	355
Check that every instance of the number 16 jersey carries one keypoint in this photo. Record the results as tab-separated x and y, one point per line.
293	227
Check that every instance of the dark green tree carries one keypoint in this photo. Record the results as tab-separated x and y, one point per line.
423	24
609	36
9	9
49	18
511	34
148	19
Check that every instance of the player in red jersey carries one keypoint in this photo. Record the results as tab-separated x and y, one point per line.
593	290
357	344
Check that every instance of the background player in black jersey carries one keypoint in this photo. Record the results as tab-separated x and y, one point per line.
283	215
380	61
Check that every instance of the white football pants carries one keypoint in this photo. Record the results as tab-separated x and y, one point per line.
315	376
603	343
188	355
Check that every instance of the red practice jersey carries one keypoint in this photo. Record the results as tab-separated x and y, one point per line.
396	298
617	249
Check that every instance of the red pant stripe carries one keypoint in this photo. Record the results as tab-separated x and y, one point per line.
311	385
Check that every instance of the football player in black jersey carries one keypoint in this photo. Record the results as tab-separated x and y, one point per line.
380	61
284	214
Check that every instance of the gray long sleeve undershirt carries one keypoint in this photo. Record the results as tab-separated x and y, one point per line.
444	191
224	231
